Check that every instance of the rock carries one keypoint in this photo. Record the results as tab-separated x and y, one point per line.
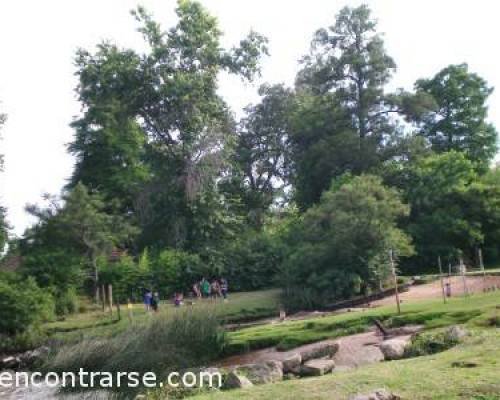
10	363
268	372
292	363
320	351
235	381
379	394
456	333
35	357
394	349
317	367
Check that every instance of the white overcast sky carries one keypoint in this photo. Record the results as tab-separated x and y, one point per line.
38	40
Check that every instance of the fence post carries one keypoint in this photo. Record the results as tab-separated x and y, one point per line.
441	278
393	268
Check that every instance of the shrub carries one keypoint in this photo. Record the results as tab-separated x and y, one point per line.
252	261
165	343
175	270
430	343
23	307
340	247
66	302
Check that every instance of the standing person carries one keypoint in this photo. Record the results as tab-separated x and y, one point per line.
147	299
224	288
205	288
196	290
178	297
155	300
215	289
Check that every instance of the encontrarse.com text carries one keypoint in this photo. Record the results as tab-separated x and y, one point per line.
86	379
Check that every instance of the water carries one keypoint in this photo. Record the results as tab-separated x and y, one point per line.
44	392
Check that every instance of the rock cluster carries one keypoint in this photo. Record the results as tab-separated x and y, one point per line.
379	394
27	359
316	361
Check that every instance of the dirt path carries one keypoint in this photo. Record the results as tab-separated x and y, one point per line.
475	284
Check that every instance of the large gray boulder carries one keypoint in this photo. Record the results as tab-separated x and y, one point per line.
235	381
320	351
317	367
268	372
379	394
292	364
394	349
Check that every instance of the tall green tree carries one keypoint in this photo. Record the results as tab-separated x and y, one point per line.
169	95
453	208
70	237
262	154
344	119
350	58
459	120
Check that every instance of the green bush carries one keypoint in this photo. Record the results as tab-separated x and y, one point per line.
252	261
430	343
340	247
176	270
189	338
66	302
23	307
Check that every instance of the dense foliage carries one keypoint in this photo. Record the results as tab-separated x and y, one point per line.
312	188
24	307
345	241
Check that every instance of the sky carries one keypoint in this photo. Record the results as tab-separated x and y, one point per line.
38	40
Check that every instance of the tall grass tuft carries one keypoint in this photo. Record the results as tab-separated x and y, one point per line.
167	342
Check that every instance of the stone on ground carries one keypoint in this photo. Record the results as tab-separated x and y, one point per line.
235	381
379	394
268	372
320	351
456	333
317	367
292	363
394	349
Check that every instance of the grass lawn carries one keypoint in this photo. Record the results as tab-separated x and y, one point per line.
440	376
432	314
241	307
470	371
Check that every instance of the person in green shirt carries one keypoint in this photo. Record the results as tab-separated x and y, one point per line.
205	288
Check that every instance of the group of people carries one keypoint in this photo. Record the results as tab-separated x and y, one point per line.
202	289
214	289
151	300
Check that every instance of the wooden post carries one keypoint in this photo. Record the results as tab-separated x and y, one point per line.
103	298
110	298
441	279
129	309
394	275
118	309
462	269
481	265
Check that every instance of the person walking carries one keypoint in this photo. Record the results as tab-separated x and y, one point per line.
224	288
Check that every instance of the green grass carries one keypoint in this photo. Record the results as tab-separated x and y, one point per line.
442	376
431	314
241	307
